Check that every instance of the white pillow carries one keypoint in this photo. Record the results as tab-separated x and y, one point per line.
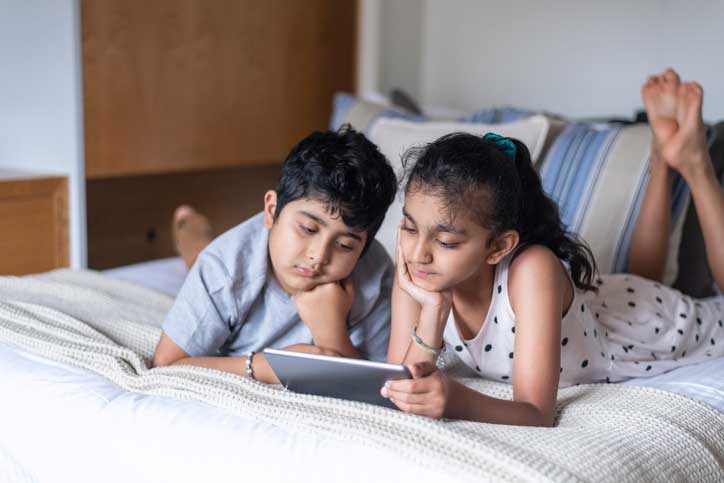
395	136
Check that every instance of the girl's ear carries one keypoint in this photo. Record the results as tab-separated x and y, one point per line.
502	245
270	206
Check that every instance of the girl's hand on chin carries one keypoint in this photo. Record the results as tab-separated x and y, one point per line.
426	298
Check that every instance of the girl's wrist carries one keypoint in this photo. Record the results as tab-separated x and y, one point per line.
435	312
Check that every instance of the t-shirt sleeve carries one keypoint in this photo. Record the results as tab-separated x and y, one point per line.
371	334
201	317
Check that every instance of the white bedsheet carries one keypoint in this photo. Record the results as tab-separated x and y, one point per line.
165	275
167	439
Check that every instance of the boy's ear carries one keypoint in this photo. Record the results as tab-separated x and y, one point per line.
270	206
502	245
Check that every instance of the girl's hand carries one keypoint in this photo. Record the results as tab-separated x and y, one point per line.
441	300
426	394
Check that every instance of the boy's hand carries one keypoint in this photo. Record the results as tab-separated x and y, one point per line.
425	394
325	308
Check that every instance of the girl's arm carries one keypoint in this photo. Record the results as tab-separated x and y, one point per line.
413	306
538	286
540	291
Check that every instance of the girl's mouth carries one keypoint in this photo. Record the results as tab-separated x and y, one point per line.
421	273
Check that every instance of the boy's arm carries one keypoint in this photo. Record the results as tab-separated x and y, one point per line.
168	353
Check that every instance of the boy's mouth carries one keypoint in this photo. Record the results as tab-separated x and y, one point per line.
306	272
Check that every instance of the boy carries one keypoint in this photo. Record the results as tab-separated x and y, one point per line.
305	274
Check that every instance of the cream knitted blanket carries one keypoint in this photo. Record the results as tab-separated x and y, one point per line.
607	433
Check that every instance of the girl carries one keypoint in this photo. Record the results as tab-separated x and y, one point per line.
485	266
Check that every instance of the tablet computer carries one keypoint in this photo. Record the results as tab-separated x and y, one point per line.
340	377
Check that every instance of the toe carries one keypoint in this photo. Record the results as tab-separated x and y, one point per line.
670	75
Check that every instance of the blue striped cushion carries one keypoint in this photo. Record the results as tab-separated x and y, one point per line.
598	176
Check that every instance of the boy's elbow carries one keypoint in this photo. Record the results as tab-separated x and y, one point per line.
165	358
160	360
167	352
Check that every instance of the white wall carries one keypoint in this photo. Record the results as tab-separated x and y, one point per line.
41	126
574	57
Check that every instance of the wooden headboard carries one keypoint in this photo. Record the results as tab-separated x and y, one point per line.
188	93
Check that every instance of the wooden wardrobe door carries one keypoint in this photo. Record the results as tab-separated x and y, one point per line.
178	85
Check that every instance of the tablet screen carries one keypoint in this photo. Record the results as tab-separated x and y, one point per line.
340	377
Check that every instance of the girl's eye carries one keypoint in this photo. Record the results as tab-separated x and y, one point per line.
306	229
447	245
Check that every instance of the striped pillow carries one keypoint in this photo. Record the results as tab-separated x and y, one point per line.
598	176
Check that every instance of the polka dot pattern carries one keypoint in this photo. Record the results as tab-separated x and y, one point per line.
637	327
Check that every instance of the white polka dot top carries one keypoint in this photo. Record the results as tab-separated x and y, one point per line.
631	328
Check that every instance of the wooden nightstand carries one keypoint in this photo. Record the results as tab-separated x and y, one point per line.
33	222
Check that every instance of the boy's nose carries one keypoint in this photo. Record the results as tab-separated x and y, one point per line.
318	255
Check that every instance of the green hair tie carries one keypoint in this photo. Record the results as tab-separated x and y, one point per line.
503	143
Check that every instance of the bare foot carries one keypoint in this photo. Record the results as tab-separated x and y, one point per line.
686	149
660	95
191	233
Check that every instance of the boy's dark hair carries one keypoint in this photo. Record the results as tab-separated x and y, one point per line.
345	171
474	174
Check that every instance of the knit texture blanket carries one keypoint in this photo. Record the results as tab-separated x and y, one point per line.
606	433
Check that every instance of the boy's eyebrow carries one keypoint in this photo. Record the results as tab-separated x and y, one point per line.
444	228
324	223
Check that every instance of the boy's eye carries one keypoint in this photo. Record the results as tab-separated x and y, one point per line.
408	229
344	246
307	229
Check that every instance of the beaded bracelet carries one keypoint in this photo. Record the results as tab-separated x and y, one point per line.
433	350
249	369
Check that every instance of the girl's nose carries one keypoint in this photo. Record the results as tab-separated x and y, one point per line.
421	253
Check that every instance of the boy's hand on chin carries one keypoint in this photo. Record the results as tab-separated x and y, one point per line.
326	307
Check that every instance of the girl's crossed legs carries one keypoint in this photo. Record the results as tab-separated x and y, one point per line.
675	116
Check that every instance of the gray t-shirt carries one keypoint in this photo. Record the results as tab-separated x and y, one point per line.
231	303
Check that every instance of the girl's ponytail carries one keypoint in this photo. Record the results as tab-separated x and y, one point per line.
539	222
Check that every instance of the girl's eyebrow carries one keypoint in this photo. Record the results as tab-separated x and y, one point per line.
407	215
440	228
449	229
324	223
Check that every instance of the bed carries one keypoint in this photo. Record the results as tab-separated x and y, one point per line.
78	406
